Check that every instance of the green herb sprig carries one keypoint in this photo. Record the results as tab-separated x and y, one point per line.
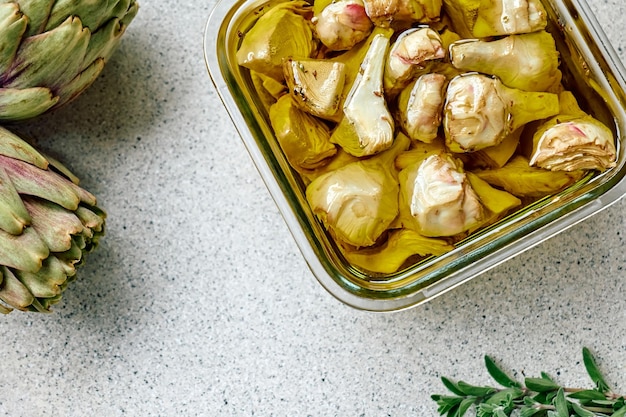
535	397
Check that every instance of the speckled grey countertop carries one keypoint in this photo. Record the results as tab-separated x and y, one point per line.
198	302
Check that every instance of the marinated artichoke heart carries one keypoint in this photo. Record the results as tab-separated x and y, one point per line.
305	140
316	85
358	201
527	62
403	12
342	24
367	127
522	180
487	18
582	143
284	31
497	203
394	252
421	105
480	111
409	54
440	198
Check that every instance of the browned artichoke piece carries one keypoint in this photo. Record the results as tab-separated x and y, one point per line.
487	18
316	85
303	138
527	62
522	180
283	31
403	13
394	252
341	24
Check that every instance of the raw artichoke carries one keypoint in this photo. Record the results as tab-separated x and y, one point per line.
47	226
51	51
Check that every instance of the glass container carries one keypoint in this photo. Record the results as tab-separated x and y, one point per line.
590	67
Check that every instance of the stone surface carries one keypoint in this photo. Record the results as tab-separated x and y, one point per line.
198	302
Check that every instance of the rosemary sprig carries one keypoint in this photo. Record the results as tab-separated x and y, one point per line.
535	397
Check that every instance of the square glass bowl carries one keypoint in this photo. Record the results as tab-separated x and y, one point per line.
591	68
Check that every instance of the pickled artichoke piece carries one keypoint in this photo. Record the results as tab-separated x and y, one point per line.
486	18
267	88
284	31
420	106
316	85
418	152
527	62
403	13
367	126
439	197
304	139
390	256
581	143
352	59
497	203
340	159
342	24
411	52
480	111
358	202
495	156
522	180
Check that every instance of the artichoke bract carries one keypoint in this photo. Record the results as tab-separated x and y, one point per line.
51	51
48	223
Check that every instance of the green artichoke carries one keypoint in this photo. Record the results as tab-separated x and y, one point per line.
47	225
52	50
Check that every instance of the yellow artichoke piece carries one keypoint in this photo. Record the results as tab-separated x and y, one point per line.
403	13
342	24
418	152
316	85
497	203
282	32
439	197
267	88
305	140
486	18
410	53
357	202
367	127
522	180
495	156
581	143
340	159
420	107
391	255
527	62
480	111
